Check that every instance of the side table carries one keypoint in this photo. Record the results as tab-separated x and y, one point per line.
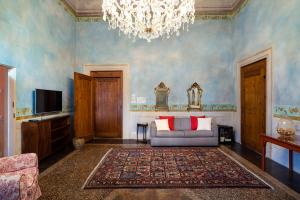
142	126
226	134
291	145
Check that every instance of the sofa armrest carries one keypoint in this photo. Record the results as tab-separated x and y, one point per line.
153	129
18	162
10	186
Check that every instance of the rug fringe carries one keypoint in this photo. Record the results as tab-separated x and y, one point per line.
94	170
240	164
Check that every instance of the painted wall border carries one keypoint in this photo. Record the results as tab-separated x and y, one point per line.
265	54
287	117
287	112
184	108
87	68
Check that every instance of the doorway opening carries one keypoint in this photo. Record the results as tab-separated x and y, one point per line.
7	110
108	103
99	104
263	58
3	109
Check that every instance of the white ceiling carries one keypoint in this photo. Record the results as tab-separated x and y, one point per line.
219	7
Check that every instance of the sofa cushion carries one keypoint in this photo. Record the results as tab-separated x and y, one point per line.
170	121
170	134
204	124
198	134
194	122
182	124
162	125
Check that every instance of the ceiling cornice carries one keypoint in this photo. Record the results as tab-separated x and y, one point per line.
227	13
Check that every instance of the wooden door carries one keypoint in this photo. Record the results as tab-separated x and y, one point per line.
83	118
253	104
108	103
3	107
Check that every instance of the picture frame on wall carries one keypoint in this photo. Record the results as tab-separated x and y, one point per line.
162	93
194	94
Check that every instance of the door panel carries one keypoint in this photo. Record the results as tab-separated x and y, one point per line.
83	117
3	106
108	104
44	143
253	104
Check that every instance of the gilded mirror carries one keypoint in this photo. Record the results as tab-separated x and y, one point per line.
194	94
162	93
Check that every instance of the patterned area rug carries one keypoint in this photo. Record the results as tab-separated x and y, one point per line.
170	168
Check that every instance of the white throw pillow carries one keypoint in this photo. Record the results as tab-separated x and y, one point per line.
162	124
204	124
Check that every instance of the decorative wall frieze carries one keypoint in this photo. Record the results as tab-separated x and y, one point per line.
283	111
26	113
286	111
89	19
23	112
184	108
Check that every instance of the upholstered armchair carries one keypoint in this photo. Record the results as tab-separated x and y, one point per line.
19	177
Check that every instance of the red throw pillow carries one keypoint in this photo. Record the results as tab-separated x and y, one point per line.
170	120
194	122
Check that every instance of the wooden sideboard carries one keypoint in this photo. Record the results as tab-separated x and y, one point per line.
45	137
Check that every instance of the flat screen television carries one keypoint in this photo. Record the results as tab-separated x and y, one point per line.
47	101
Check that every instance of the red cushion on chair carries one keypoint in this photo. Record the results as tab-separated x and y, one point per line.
194	122
170	120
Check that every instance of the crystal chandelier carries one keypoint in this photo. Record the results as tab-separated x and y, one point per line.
149	19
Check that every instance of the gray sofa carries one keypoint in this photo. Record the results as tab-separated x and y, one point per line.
183	135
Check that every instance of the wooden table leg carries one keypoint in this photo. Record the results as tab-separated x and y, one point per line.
263	156
137	133
144	134
291	161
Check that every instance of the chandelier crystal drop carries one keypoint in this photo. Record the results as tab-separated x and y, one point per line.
149	19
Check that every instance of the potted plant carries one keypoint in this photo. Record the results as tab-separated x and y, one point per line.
78	143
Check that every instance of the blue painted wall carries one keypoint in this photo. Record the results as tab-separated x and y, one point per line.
272	23
38	38
44	42
204	55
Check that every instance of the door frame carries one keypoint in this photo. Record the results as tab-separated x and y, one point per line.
11	140
87	68
265	54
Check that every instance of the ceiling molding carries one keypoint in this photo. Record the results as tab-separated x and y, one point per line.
202	13
67	8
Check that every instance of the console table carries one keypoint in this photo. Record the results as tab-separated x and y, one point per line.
45	137
291	145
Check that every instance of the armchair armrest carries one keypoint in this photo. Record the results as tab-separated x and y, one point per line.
10	187
153	129
18	162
